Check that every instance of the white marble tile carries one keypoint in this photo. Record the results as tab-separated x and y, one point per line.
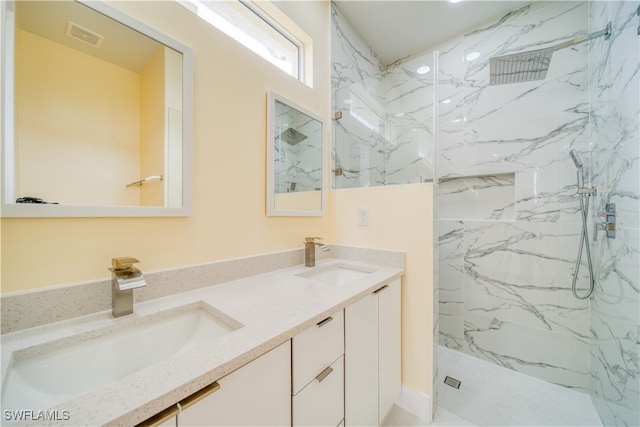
477	198
409	98
352	59
615	157
549	194
557	358
450	283
520	273
493	396
615	366
450	97
618	273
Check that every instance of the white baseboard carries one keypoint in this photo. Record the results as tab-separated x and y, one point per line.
415	403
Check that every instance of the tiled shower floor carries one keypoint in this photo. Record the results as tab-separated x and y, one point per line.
494	396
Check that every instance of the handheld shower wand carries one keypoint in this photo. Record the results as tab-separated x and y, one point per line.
578	163
583	194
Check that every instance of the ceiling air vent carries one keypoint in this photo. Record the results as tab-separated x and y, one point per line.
78	32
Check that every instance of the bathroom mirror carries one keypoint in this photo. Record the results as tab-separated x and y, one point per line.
97	114
295	159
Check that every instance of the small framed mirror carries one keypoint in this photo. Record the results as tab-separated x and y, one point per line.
295	159
97	114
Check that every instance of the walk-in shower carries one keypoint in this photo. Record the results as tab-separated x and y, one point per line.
533	64
583	195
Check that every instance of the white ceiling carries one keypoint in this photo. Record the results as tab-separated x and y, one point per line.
396	28
122	46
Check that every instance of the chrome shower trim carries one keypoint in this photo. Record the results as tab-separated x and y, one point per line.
533	64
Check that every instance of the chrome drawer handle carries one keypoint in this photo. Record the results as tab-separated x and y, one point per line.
324	374
324	322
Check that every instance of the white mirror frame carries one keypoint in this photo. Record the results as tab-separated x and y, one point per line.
17	210
272	97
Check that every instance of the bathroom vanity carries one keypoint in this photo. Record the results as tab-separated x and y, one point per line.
288	347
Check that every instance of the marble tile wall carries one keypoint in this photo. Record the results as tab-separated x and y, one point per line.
385	135
409	88
298	165
509	224
357	93
509	217
615	165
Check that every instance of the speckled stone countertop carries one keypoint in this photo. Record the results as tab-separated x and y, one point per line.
273	307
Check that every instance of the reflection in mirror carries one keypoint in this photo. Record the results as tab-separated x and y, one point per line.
295	160
100	114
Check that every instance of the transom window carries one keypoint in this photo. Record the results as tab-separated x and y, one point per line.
248	23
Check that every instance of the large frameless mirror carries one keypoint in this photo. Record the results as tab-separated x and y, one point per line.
97	114
295	159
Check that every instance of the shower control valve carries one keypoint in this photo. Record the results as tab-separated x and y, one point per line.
608	221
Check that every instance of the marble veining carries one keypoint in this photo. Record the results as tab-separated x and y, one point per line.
615	162
508	214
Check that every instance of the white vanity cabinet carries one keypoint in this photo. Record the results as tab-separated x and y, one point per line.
258	393
372	356
318	373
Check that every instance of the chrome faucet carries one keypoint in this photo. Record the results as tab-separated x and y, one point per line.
310	250
124	279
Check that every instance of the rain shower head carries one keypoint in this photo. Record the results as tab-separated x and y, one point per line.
520	67
292	136
533	64
576	159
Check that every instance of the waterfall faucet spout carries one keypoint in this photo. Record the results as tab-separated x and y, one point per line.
310	250
124	279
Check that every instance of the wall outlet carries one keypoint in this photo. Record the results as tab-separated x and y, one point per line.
363	216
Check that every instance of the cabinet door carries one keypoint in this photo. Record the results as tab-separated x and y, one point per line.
361	362
258	393
389	348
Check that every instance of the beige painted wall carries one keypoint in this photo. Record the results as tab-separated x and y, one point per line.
228	220
67	153
400	218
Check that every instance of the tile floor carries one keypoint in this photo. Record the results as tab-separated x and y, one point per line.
494	396
398	417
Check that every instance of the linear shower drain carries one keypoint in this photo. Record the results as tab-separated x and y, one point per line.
452	382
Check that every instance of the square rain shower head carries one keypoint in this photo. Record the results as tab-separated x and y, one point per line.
520	67
292	136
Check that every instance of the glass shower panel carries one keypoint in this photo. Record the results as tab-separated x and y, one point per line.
360	133
614	159
384	127
409	98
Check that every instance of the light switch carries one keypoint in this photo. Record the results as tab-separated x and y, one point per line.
363	216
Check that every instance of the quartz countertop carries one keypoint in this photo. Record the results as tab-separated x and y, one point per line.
272	307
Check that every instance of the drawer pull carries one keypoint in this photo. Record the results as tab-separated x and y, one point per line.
199	395
381	289
324	374
174	410
324	322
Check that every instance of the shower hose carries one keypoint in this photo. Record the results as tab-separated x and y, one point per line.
584	242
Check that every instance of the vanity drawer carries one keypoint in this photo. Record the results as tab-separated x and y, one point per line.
316	348
321	402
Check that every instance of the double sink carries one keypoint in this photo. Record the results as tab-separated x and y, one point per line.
51	373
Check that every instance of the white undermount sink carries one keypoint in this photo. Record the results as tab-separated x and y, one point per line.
336	274
62	371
